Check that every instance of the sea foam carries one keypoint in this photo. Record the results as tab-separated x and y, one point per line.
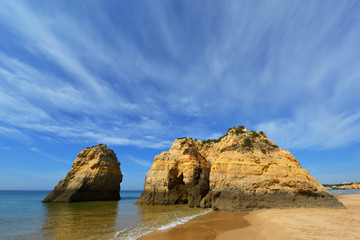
140	231
181	221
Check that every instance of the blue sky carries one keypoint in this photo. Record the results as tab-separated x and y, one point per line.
136	75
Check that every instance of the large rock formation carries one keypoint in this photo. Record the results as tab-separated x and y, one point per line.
240	171
95	176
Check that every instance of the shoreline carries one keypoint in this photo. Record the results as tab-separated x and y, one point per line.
297	223
207	226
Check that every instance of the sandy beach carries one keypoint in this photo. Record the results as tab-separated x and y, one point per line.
305	223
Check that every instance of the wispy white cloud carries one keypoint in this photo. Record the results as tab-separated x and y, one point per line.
42	97
301	85
215	135
38	34
111	136
11	132
291	71
317	129
47	156
139	161
34	149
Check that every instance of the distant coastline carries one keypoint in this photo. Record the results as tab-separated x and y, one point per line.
345	185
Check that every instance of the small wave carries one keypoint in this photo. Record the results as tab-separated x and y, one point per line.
118	233
140	231
181	221
130	235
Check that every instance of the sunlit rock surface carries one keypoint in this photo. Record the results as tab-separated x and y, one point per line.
95	176
242	170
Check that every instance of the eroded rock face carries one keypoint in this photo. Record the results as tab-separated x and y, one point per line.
177	178
242	170
95	176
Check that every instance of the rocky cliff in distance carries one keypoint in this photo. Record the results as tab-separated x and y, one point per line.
242	170
355	185
95	176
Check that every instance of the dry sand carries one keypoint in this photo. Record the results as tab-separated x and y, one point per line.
305	223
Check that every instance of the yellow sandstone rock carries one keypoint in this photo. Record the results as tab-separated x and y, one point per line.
95	176
242	170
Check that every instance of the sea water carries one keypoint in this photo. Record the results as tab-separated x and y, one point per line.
344	191
24	216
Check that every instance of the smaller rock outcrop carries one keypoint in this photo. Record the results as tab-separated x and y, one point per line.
95	176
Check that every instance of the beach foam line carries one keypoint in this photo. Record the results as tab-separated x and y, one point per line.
181	221
139	231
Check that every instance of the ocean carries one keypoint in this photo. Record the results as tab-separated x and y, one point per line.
344	191
24	216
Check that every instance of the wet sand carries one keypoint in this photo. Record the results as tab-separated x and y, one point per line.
305	223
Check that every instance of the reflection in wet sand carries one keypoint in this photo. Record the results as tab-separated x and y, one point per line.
84	220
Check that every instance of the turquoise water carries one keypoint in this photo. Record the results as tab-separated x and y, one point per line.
24	216
20	212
